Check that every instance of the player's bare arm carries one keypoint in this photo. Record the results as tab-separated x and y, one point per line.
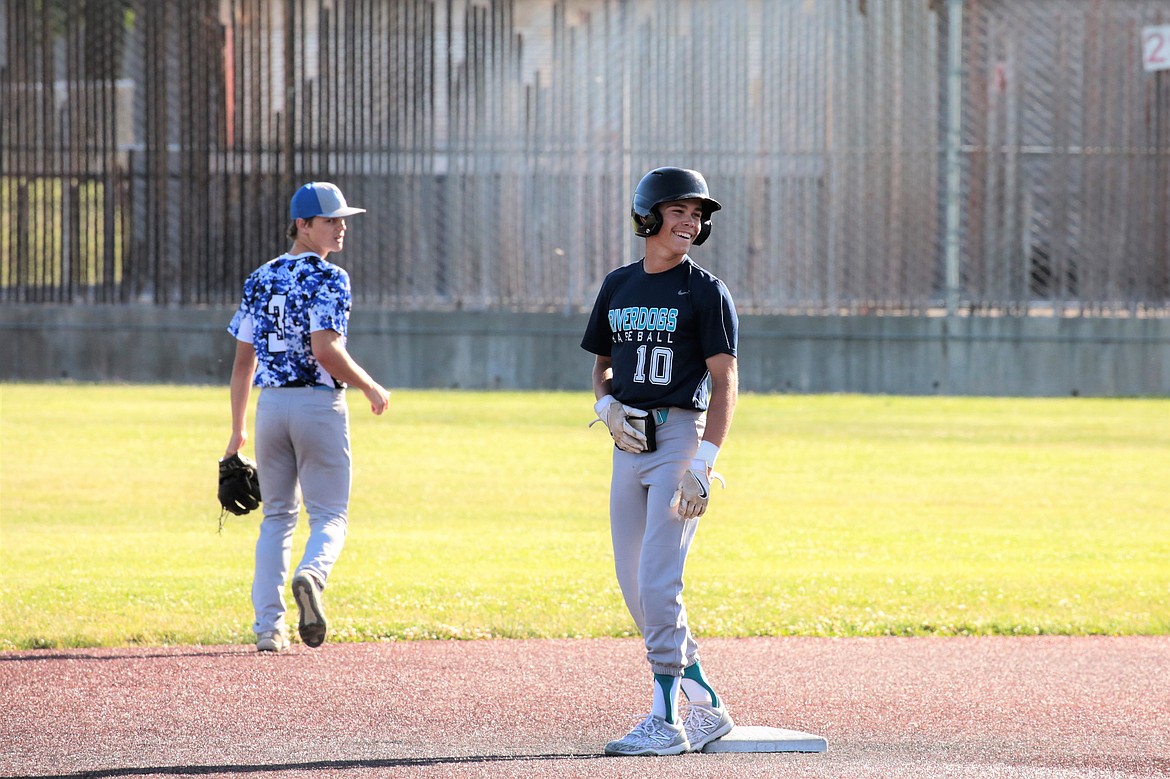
724	369
329	350
694	489
602	376
243	368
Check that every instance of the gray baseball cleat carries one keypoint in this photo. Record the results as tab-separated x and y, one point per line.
307	593
705	724
651	736
271	641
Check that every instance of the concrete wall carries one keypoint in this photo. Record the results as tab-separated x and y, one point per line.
885	355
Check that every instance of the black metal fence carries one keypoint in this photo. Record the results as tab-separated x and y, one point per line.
148	148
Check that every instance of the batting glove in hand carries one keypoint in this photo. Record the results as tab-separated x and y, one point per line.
694	490
617	416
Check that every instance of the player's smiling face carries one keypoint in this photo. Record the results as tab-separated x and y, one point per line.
681	221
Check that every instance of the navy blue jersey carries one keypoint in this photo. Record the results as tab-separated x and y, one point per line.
284	301
659	329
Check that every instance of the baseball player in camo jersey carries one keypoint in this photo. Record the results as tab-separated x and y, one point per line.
664	332
290	332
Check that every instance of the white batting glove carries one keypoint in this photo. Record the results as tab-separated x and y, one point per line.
617	416
694	489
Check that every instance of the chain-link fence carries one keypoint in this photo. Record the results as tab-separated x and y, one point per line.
149	148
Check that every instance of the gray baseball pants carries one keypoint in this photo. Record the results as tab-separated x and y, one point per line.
302	451
650	542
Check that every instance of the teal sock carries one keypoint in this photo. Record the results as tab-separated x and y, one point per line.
665	697
696	688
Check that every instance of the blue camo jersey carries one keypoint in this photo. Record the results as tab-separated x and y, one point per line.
285	301
659	329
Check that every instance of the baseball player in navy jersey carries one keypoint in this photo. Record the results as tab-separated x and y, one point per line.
290	332
664	333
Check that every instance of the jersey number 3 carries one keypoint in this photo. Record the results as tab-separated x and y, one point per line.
661	365
276	342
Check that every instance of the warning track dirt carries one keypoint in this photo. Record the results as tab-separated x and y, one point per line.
1051	707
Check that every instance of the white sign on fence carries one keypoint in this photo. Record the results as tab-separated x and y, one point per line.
1156	47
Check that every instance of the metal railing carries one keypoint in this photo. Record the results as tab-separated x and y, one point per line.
148	149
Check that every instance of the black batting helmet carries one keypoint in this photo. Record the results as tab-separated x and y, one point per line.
664	185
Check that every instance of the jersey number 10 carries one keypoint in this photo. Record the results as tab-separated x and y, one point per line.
661	364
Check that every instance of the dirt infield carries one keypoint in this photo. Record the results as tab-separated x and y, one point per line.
979	707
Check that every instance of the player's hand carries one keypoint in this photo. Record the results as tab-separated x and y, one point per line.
616	417
694	490
236	443
378	396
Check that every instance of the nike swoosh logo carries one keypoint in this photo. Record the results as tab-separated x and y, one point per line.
684	292
702	492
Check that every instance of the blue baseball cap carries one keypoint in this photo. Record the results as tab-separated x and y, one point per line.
320	198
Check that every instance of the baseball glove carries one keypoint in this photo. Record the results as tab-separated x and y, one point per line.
239	486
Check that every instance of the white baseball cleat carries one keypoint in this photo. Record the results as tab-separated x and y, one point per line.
705	724
651	736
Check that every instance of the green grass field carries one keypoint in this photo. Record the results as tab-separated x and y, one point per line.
484	515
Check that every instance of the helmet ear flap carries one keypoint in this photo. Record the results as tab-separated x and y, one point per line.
647	225
704	231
